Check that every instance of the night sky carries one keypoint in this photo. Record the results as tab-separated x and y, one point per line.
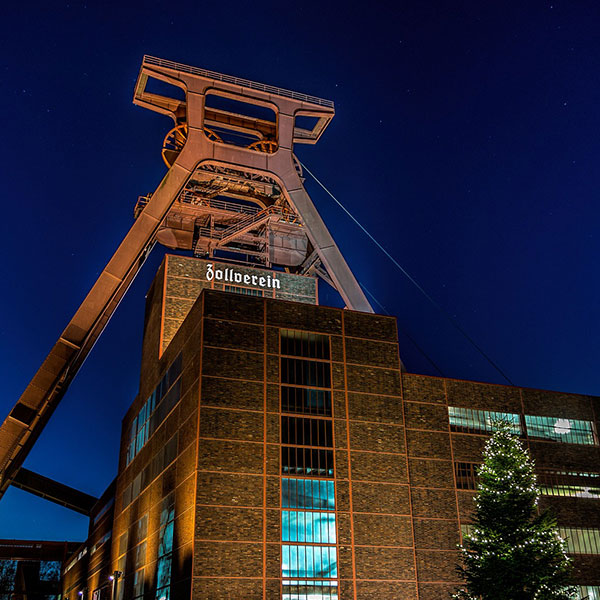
466	140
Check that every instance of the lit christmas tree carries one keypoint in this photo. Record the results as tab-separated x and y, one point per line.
510	551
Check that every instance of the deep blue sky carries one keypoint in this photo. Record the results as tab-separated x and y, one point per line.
466	140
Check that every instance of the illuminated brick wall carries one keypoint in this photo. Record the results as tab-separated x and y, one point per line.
234	423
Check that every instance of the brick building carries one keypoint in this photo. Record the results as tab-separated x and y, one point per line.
277	450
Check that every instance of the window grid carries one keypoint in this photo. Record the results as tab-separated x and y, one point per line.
302	431
471	420
569	484
304	343
581	541
165	548
588	592
306	461
305	401
154	411
162	459
558	429
573	484
309	563
138	584
308	518
299	371
572	431
236	289
466	475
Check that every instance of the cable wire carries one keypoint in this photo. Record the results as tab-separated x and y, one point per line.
404	332
410	278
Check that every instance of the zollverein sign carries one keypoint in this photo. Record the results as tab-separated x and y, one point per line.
185	278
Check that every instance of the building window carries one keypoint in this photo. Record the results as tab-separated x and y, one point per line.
572	484
304	570
308	521
588	592
156	408
244	291
309	570
581	541
306	401
306	432
165	548
572	431
138	584
308	526
311	373
307	493
569	483
466	475
469	420
163	458
306	461
304	343
100	542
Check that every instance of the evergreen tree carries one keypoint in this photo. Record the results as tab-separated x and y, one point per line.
510	551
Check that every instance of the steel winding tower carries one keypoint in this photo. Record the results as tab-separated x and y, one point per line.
233	191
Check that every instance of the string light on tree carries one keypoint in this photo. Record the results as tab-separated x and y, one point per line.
510	552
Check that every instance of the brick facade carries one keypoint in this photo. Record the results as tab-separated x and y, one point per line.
398	507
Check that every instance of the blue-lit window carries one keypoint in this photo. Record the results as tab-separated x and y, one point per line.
309	567
481	421
154	411
165	548
319	562
571	431
307	493
314	590
588	592
308	526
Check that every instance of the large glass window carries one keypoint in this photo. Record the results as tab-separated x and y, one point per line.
154	411
138	584
305	401
306	432
308	521
309	561
304	343
306	461
572	431
315	590
480	421
588	592
466	475
308	526
162	459
573	484
307	493
312	373
581	541
165	548
569	483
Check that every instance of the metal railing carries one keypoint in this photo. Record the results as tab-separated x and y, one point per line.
191	198
285	215
270	89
